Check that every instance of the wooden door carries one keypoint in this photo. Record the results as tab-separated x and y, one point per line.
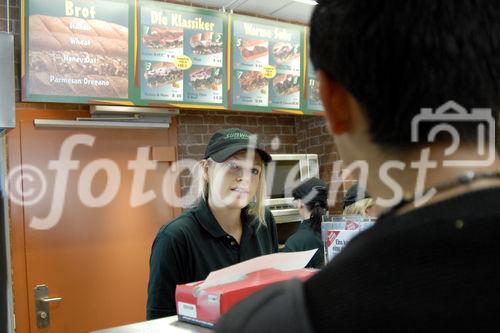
95	256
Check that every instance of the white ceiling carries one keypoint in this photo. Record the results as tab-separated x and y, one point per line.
287	10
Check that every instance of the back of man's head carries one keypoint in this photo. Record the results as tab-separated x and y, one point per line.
396	57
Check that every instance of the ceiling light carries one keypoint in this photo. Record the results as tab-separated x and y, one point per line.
307	2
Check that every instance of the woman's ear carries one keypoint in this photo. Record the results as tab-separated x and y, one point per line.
335	99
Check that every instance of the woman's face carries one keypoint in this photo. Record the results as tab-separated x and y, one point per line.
234	182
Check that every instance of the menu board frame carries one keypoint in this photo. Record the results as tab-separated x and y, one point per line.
237	46
26	81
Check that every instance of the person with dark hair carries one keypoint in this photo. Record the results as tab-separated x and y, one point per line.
397	79
311	198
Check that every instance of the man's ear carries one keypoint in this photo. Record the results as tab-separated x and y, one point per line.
335	100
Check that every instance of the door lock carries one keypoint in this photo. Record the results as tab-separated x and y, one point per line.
42	302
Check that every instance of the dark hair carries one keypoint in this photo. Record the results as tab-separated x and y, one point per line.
315	197
396	57
317	209
314	193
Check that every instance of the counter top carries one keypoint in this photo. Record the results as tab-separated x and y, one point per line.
168	324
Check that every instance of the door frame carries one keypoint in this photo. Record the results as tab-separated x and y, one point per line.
15	216
16	212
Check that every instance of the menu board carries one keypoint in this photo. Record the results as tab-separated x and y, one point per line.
77	50
313	101
151	53
182	55
266	68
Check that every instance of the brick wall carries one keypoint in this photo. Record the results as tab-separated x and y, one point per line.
313	138
296	134
196	127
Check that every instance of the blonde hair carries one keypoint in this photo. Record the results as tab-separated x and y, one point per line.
359	207
200	176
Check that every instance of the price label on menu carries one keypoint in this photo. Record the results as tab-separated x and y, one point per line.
268	71
183	62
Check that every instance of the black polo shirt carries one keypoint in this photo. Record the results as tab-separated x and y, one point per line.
193	245
305	239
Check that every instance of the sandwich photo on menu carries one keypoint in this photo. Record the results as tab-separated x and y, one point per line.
206	78
286	84
163	38
253	49
206	43
285	52
251	81
162	73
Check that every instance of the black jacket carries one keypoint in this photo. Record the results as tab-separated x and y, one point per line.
305	239
434	268
193	245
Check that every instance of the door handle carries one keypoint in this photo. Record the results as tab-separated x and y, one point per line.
49	300
42	302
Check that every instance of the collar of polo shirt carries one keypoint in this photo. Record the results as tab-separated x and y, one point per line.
207	220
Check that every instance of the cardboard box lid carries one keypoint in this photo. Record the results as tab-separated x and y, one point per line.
282	262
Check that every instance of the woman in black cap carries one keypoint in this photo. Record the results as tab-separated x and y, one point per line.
358	202
226	227
311	198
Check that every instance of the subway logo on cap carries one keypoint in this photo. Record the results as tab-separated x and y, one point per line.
237	136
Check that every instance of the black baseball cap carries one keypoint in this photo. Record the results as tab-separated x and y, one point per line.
352	193
307	186
227	142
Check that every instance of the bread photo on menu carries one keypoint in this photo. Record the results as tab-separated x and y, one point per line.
163	38
206	43
161	74
253	49
77	57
